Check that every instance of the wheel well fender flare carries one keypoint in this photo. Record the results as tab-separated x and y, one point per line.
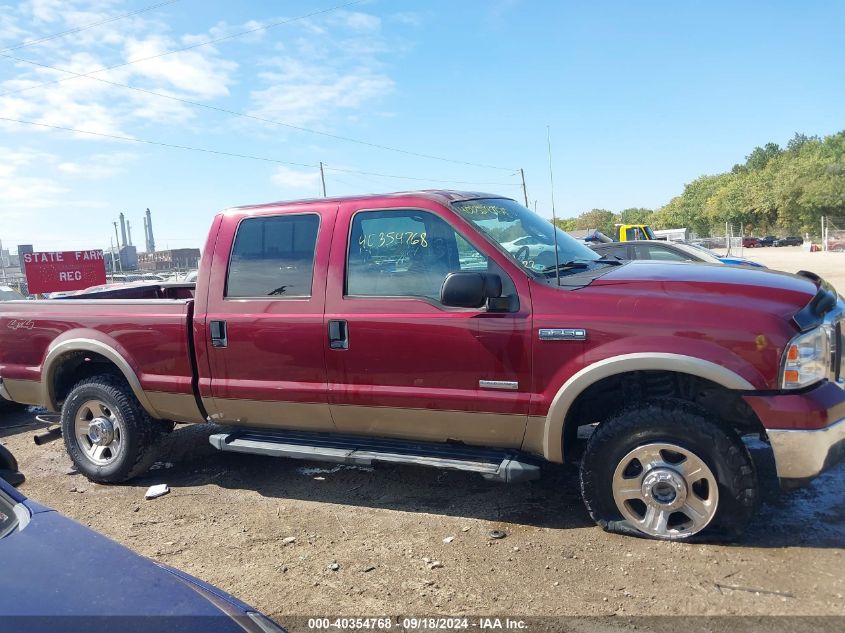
553	449
57	352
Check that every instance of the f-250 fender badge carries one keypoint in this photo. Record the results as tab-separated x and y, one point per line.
563	334
15	324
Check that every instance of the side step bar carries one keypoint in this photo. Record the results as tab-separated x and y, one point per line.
493	464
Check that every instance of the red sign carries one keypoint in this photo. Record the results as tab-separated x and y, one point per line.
65	271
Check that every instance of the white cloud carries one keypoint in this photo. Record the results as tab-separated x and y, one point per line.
23	192
98	166
358	21
199	73
409	18
328	75
295	179
301	93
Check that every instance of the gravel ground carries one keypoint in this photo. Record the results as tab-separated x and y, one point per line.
228	517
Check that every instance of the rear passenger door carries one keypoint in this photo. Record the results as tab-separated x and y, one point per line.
265	321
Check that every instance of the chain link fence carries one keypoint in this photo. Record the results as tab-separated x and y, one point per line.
834	234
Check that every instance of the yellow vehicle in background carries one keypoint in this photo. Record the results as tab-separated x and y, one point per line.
630	232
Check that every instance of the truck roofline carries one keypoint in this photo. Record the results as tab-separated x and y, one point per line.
442	196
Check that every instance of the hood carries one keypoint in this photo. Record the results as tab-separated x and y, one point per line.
777	292
55	567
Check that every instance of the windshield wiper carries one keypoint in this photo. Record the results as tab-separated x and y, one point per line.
579	263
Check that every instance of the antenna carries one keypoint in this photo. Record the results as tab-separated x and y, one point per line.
554	219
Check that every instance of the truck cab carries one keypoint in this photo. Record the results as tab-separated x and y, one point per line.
631	232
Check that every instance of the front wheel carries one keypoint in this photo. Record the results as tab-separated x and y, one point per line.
106	431
667	471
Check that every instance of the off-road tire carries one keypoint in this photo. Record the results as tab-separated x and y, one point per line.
140	432
685	425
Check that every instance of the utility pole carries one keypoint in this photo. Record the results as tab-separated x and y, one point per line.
111	250
323	178
524	188
824	239
117	239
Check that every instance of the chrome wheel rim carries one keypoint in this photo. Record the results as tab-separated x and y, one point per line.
665	491
98	432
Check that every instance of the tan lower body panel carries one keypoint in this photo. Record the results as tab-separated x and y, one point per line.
24	391
534	434
479	429
179	407
298	416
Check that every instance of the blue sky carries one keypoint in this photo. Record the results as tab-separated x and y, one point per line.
641	99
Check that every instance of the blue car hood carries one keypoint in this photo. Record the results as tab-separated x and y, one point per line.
72	578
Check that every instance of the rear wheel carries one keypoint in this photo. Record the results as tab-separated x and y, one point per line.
107	433
667	471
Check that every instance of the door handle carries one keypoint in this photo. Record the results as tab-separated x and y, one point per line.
338	334
218	334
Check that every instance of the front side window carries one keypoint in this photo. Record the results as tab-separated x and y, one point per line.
408	253
273	257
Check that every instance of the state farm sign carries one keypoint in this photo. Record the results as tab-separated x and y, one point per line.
64	271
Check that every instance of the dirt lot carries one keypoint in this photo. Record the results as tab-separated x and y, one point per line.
227	516
831	266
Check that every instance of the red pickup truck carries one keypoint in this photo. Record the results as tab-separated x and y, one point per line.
400	328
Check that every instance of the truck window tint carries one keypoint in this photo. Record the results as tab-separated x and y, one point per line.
273	257
406	252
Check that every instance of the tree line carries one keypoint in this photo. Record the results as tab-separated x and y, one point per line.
777	190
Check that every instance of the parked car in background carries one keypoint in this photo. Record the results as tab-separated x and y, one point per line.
7	293
789	241
837	245
666	251
530	247
750	242
767	240
59	575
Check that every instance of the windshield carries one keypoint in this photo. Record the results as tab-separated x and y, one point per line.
523	234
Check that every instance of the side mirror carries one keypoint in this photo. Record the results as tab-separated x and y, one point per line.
470	290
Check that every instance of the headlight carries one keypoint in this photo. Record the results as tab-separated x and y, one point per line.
806	359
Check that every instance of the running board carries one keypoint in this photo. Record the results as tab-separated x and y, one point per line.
494	464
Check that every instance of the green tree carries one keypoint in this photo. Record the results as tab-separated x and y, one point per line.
600	219
635	215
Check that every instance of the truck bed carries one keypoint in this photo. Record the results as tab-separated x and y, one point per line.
149	337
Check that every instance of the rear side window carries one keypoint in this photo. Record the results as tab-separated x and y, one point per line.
273	257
